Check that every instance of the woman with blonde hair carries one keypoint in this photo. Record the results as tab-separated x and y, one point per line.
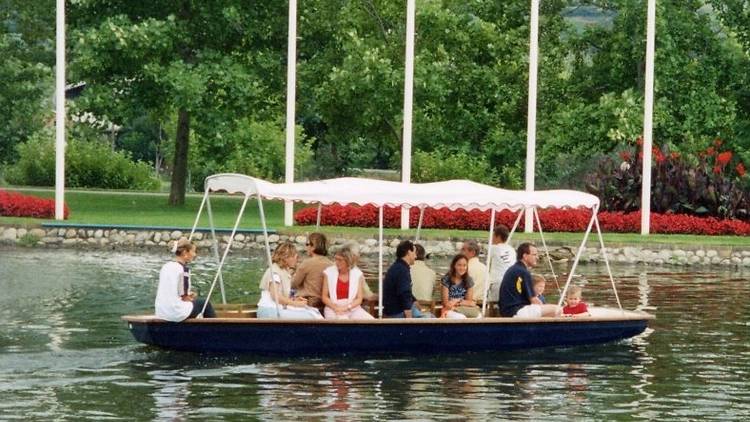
275	298
175	299
343	289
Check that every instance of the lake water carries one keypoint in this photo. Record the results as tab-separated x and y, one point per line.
65	354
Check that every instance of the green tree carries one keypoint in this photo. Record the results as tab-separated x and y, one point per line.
208	63
26	71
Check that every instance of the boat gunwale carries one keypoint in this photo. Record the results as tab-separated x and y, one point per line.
627	316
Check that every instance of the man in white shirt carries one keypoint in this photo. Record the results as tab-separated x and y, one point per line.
502	256
477	270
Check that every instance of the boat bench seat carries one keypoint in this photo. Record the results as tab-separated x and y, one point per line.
235	310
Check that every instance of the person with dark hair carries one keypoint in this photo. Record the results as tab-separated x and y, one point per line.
175	300
308	279
502	256
457	290
477	270
517	298
398	300
422	276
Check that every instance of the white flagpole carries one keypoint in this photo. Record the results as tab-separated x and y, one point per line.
408	105
648	115
531	122
291	87
60	112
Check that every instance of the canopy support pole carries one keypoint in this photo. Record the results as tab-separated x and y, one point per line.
197	217
419	225
488	262
515	224
606	260
380	262
320	212
575	262
215	247
546	249
229	245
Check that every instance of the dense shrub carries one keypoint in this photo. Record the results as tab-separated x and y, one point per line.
712	184
553	220
14	204
89	164
445	165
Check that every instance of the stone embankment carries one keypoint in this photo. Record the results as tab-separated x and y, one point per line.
160	240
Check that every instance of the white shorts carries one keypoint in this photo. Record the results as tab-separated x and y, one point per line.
529	311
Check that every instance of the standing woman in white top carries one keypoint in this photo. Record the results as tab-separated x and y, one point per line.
343	290
276	300
175	301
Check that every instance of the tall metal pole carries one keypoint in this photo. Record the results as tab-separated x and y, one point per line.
60	112
408	105
291	88
531	122
648	116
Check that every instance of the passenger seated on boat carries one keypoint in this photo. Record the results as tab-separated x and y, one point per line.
398	300
457	290
343	289
517	297
574	306
422	276
477	270
275	299
308	279
175	300
539	283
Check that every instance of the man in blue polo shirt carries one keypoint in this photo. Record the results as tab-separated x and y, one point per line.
517	297
398	300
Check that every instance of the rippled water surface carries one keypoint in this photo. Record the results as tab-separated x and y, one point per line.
65	354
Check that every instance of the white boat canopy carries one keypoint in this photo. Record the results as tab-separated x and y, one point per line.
452	194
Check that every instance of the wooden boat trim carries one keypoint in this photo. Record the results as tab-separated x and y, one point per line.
626	316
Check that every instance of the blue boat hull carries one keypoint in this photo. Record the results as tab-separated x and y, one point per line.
384	336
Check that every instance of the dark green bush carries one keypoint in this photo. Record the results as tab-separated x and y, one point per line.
441	165
88	164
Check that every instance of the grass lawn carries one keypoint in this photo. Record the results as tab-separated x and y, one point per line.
147	209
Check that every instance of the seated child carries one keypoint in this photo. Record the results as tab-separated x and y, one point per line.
539	283
574	306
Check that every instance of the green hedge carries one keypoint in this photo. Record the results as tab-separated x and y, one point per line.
88	164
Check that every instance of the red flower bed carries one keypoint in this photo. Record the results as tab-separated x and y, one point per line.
13	204
553	220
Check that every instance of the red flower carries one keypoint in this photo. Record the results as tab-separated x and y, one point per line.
740	169
710	151
717	169
724	158
675	155
658	156
625	155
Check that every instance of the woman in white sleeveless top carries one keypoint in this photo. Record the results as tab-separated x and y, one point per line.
275	299
343	288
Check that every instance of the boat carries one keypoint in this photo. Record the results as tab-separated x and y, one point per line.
236	330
